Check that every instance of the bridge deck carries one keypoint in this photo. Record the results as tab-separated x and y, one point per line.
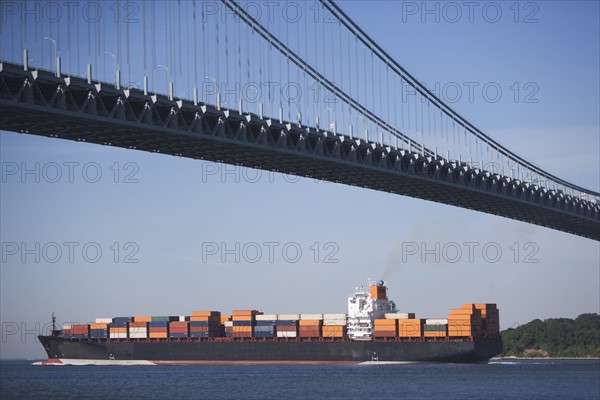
40	103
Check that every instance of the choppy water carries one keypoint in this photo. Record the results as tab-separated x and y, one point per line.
520	379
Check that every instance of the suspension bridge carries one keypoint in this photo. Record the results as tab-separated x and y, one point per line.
299	89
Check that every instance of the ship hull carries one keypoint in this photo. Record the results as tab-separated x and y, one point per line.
270	351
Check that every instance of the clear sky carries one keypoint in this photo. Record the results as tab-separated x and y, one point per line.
162	223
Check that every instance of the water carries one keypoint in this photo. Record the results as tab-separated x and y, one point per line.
522	379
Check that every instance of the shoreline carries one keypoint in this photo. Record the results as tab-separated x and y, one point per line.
543	358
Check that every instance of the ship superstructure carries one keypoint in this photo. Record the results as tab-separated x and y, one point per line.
364	306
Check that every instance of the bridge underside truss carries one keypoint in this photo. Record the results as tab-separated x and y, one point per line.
39	103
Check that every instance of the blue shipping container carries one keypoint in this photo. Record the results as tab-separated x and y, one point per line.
178	335
242	323
287	323
266	323
158	324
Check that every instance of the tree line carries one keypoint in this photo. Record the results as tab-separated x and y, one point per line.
554	337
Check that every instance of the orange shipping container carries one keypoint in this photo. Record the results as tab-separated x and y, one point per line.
138	324
118	330
98	326
225	318
244	312
206	313
157	335
310	322
242	318
142	319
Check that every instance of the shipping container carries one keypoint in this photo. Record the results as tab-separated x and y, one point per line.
437	334
235	313
333	331
335	322
142	318
157	335
436	321
104	320
310	322
206	313
288	317
266	317
311	316
99	333
334	316
435	328
399	315
99	326
286	334
266	323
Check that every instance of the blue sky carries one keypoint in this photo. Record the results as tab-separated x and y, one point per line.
163	211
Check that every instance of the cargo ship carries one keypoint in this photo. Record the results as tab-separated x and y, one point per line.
372	331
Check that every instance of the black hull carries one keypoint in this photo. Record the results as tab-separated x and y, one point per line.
272	351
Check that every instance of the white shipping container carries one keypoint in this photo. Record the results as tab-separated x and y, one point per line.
182	318
334	316
334	322
136	335
266	317
228	323
401	315
114	335
288	317
104	320
287	334
436	321
311	316
137	330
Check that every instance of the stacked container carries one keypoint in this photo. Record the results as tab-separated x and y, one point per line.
311	325
99	330
287	325
179	329
410	328
385	328
243	323
465	322
334	325
490	319
80	331
138	329
435	327
158	329
265	326
205	324
117	329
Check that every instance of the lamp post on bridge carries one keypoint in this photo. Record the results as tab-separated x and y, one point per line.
56	55
218	94
169	84
116	70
